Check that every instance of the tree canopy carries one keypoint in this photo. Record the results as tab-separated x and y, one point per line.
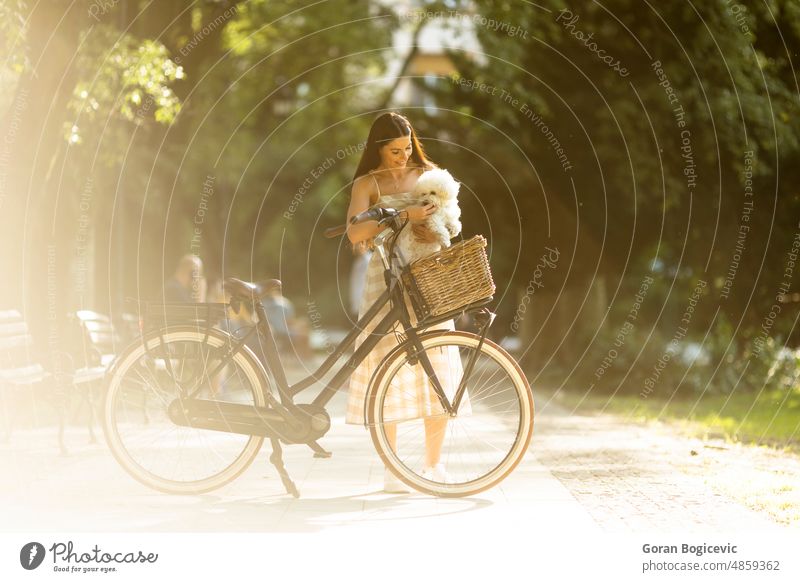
634	140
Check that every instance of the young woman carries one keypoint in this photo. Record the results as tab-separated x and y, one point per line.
392	162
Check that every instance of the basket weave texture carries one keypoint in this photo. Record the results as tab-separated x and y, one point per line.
450	279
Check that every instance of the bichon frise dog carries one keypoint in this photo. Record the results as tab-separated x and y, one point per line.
438	187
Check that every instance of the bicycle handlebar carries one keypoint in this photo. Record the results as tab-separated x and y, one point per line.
379	214
335	231
376	213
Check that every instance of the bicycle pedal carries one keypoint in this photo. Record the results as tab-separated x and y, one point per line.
319	452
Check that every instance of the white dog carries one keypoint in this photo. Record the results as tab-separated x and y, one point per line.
441	189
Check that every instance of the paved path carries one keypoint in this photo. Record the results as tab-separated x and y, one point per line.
87	491
638	478
586	473
590	492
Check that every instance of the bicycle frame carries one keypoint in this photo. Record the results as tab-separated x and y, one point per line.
192	353
398	313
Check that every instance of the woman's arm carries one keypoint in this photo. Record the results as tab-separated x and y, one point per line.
360	198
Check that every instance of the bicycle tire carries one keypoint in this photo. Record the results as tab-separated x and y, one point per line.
467	467
126	375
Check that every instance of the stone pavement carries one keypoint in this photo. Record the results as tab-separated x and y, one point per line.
637	478
582	473
87	491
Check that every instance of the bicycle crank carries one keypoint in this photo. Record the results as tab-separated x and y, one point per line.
230	417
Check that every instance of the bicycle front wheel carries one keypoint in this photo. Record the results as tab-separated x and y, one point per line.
149	376
443	455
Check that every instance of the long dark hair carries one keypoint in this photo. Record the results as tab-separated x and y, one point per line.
387	127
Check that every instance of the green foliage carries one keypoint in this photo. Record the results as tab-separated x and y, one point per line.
12	34
629	193
273	98
719	363
287	89
768	417
121	77
254	95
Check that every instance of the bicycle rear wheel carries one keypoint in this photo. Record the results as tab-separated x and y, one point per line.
159	453
480	445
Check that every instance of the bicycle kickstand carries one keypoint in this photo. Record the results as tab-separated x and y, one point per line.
276	458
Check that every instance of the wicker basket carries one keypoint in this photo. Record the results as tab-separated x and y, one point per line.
450	279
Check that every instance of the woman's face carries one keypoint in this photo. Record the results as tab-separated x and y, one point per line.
395	154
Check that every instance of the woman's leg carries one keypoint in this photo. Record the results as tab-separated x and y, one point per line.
391	434
435	429
447	364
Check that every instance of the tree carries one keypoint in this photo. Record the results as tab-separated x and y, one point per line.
131	108
658	109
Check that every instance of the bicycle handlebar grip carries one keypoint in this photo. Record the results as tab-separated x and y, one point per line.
376	213
371	214
335	231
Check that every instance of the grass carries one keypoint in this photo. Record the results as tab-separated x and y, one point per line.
773	418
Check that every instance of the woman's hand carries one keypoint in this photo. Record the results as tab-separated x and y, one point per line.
417	214
423	234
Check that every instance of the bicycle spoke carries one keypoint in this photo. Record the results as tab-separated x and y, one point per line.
485	438
161	453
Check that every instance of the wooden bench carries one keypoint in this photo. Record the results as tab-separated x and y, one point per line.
100	343
20	369
83	369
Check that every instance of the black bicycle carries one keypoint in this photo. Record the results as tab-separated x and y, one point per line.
188	407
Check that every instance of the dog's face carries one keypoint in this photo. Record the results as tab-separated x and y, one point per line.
436	186
431	197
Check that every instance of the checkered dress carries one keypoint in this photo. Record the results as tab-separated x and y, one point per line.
411	395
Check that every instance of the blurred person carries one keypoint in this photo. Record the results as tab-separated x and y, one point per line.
290	333
187	284
280	313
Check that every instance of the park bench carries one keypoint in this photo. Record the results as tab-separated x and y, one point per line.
83	370
21	371
100	343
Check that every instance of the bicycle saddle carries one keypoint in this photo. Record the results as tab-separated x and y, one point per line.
239	289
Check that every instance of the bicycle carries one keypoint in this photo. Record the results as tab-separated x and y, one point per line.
188	406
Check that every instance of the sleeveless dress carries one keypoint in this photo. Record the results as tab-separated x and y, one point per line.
412	395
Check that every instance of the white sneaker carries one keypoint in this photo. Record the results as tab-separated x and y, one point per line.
392	484
436	473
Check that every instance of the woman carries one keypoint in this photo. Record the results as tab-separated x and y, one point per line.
390	166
